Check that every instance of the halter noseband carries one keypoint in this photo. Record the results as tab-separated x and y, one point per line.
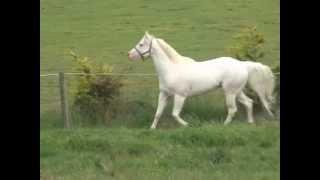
148	51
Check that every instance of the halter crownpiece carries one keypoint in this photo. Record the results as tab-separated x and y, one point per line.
148	51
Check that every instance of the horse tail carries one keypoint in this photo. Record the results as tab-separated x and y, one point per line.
261	80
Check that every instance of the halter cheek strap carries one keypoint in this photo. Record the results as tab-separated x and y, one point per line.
148	51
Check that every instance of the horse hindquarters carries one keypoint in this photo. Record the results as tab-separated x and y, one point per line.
261	80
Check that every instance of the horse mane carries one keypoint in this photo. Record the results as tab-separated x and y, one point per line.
172	54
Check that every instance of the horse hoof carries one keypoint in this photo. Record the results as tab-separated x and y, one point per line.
252	123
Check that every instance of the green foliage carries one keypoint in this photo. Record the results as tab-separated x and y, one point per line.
249	44
94	93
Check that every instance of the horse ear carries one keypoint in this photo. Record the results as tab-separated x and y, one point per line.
148	36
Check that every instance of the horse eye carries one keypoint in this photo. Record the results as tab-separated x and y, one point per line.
140	45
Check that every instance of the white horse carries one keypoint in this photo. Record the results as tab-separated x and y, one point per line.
182	77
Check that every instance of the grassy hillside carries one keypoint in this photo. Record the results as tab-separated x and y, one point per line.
106	30
213	151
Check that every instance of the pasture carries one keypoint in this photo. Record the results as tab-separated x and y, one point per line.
212	151
124	147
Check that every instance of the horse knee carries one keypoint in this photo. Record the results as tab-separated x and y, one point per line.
249	103
157	116
245	101
233	110
175	114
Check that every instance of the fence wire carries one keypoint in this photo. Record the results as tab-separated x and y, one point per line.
138	91
136	88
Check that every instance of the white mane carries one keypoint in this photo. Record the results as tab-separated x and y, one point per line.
172	53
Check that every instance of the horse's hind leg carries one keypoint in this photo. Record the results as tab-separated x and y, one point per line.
177	107
265	104
232	107
247	102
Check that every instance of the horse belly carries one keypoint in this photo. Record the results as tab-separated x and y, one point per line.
191	81
194	86
202	86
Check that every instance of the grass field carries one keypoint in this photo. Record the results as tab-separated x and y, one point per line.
106	30
212	151
125	149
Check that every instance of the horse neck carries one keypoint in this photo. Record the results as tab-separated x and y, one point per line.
160	59
172	54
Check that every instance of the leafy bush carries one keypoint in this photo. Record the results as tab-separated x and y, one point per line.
94	93
248	46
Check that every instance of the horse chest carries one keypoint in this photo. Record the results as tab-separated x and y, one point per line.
172	86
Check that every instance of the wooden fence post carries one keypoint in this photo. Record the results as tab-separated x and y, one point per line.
64	101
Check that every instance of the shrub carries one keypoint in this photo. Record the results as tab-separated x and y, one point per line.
94	93
248	46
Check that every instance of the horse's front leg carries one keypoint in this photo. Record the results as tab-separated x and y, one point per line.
162	102
177	107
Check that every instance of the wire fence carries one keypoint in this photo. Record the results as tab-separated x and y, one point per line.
110	74
57	91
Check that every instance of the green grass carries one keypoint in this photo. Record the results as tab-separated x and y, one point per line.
122	147
213	151
106	30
